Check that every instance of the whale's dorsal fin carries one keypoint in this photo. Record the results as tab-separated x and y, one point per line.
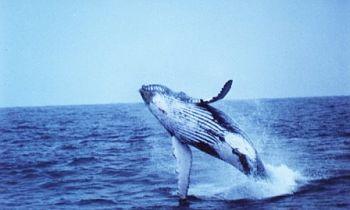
220	96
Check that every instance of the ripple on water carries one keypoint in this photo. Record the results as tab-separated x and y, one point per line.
118	156
82	160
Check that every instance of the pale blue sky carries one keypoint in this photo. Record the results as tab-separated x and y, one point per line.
87	52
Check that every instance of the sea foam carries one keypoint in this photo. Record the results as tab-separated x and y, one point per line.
282	180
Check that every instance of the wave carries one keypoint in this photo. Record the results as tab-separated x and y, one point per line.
96	201
319	184
87	202
22	127
82	160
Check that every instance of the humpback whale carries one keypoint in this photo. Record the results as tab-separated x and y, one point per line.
194	122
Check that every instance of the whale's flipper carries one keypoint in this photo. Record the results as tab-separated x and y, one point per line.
183	155
221	95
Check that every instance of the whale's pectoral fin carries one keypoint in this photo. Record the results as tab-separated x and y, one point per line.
220	96
183	155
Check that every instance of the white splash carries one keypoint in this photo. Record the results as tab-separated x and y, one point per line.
282	181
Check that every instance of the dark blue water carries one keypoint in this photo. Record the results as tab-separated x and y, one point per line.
118	156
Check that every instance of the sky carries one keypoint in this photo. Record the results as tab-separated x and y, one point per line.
93	52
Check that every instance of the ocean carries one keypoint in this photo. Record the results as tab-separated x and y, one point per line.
118	156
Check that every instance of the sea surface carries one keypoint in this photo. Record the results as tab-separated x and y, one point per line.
119	157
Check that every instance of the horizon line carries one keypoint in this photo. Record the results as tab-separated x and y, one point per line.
120	103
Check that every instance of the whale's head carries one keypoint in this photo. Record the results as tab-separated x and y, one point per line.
151	92
162	103
158	98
